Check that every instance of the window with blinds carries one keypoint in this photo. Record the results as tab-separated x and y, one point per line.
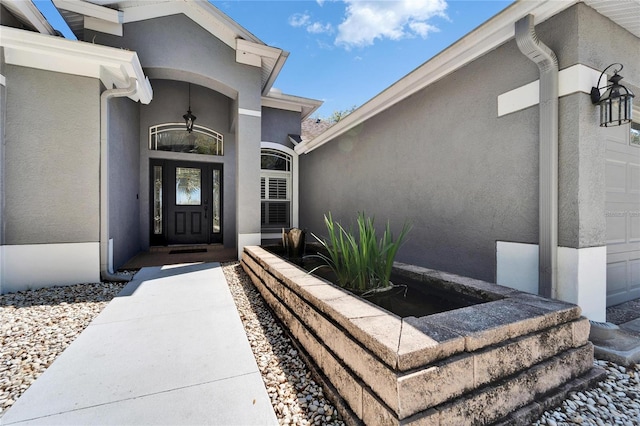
275	190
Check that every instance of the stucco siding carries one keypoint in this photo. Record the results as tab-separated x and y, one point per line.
465	178
599	42
278	124
52	138
213	110
176	46
124	172
3	110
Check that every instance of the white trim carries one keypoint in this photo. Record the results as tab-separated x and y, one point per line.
577	78
160	128
517	266
254	239
258	49
249	112
496	31
582	274
28	10
247	58
582	278
295	179
112	66
91	10
32	266
279	100
278	104
103	26
3	80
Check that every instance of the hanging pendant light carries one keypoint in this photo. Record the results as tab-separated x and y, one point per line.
616	103
188	117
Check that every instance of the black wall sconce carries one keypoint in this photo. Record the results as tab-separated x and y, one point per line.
188	117
616	103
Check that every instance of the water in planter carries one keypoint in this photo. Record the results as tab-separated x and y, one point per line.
408	298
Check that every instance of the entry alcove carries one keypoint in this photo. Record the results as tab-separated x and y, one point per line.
501	360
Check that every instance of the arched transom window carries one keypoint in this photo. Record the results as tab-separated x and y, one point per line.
174	137
275	189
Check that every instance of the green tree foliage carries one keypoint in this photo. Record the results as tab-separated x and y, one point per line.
339	115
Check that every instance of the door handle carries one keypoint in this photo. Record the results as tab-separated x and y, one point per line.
206	207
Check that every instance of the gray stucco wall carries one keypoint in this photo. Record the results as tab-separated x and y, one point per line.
212	110
278	124
52	138
124	173
443	161
600	42
3	111
175	48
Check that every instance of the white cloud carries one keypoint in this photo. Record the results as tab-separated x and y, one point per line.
299	19
318	28
422	29
304	20
367	21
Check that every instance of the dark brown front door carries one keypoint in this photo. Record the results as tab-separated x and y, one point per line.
186	202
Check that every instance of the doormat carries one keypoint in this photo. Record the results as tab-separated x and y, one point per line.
186	251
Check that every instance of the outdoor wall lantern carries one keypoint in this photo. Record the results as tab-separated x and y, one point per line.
188	117
616	103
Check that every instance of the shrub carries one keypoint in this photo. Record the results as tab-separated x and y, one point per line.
361	262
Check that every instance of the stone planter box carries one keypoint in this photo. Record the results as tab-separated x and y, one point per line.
474	365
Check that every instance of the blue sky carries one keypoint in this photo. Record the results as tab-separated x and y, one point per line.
344	52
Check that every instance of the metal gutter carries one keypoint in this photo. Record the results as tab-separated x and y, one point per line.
547	63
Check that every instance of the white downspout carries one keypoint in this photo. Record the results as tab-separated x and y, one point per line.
547	63
105	269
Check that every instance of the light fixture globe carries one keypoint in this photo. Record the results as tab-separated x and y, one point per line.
189	119
616	103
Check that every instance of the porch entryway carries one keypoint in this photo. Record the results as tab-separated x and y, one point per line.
181	254
186	203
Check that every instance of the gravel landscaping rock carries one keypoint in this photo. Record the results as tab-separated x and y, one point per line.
296	398
614	401
37	325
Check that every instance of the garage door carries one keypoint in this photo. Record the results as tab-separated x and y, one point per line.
623	214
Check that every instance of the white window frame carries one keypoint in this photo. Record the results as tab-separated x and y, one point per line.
164	127
294	213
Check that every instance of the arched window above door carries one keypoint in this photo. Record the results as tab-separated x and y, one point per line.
174	137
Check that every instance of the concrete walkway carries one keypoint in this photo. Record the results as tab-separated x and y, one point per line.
170	349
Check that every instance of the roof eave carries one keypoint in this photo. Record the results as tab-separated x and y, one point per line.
114	67
29	12
305	106
273	74
493	33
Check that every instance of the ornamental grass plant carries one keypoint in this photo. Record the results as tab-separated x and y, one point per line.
361	262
